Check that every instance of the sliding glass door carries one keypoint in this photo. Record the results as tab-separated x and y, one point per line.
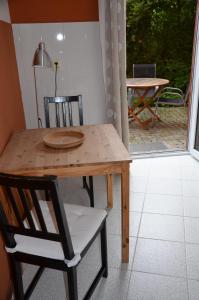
194	113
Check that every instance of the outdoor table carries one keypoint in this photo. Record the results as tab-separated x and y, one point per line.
102	153
143	88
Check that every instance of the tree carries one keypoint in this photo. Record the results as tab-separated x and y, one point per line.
161	32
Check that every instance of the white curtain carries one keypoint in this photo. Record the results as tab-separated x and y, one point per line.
112	16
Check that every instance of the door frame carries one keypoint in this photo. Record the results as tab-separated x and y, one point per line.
194	89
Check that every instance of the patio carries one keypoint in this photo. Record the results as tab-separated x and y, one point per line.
168	135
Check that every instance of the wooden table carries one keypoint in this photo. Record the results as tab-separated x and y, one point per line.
102	153
143	87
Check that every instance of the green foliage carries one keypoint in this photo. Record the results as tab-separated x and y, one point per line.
161	32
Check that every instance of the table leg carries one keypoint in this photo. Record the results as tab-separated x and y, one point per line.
136	110
109	182
125	212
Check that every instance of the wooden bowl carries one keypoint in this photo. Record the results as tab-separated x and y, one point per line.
64	139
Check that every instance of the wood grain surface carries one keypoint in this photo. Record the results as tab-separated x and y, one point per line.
145	82
26	150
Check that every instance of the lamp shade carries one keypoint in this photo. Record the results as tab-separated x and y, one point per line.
41	57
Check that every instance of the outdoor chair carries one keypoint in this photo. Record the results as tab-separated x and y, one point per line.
67	111
144	70
48	234
170	96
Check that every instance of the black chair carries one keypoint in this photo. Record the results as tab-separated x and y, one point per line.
144	70
50	234
67	111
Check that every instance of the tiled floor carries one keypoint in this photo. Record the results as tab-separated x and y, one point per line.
168	134
164	242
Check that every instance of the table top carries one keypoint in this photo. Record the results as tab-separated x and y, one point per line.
26	151
145	82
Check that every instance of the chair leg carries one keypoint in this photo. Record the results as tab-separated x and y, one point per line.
89	189
156	108
84	182
17	279
72	283
65	277
104	250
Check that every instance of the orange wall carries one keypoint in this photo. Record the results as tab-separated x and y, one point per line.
11	118
49	11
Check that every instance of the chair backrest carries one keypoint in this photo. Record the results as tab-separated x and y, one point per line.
171	91
144	70
65	108
23	190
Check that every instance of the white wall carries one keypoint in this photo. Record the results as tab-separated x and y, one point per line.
4	11
80	67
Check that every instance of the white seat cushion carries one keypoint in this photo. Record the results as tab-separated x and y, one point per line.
83	223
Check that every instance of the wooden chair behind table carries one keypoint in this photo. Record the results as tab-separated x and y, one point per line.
64	115
50	234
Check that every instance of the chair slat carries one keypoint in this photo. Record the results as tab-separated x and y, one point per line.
35	233
57	115
26	209
64	114
80	104
38	210
46	109
70	113
14	206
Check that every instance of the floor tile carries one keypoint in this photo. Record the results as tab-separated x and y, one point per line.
190	188
138	184
164	186
190	173
139	168
90	266
193	287
162	227
191	206
164	161
71	191
136	201
163	204
160	257
187	160
114	222
99	182
166	171
191	230
146	162
145	286
135	218
192	252
100	198
48	286
114	252
115	287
